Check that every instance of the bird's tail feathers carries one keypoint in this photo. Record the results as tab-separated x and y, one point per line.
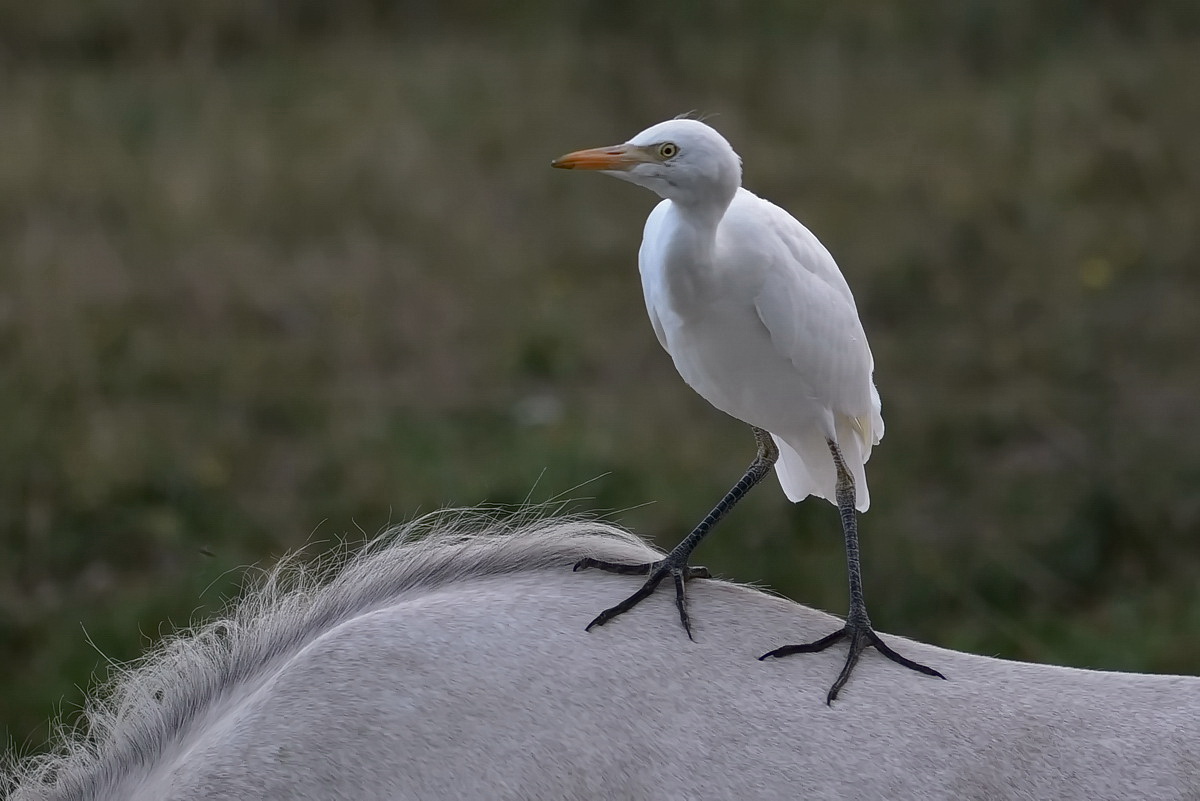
805	466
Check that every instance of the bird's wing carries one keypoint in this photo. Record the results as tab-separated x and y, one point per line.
648	258
808	310
806	251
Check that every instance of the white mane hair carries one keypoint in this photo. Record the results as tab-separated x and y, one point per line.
447	659
146	704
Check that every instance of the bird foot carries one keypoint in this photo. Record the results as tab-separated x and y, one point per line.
861	636
674	566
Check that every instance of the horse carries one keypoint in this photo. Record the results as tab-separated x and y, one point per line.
448	659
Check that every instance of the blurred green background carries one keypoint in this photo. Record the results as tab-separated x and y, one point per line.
275	273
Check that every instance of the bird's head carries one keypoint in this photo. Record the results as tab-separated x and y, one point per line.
682	160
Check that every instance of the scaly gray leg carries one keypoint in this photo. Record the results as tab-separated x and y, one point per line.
858	626
675	563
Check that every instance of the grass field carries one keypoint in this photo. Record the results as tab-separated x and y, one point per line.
267	286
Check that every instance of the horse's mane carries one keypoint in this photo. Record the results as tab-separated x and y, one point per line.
146	705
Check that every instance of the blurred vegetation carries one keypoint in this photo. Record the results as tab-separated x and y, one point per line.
272	273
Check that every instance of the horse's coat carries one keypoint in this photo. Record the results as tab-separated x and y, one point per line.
457	667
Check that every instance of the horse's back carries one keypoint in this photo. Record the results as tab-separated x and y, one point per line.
490	688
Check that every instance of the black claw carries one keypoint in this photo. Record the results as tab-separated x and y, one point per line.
887	651
861	636
856	649
681	603
599	620
675	563
808	647
681	573
615	567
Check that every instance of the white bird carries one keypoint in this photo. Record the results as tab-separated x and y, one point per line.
759	320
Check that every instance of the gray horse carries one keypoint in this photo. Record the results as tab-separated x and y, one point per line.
448	660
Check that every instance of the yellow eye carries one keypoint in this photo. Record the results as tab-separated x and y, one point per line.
668	149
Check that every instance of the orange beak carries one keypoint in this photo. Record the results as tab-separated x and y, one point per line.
617	157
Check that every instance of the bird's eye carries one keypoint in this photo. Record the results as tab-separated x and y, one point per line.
668	149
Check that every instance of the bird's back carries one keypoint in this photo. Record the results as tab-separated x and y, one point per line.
751	218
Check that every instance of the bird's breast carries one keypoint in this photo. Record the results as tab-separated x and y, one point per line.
702	301
726	355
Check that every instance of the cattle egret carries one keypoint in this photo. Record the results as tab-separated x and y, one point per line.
759	320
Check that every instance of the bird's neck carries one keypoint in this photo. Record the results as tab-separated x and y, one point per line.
704	214
700	220
693	232
686	265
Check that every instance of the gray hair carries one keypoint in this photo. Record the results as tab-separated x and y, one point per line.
448	660
148	703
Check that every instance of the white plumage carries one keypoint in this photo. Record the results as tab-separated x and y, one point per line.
750	305
759	320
